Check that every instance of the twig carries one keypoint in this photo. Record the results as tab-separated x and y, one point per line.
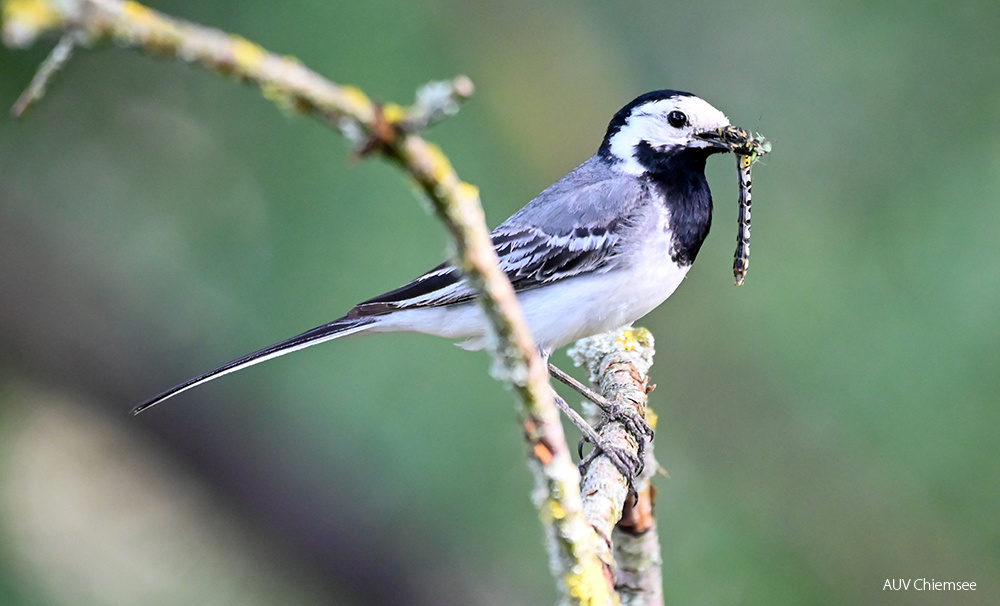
618	362
388	130
60	54
436	101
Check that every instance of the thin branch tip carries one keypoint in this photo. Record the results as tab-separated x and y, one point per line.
57	59
463	86
436	101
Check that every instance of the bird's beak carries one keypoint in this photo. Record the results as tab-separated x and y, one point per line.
736	140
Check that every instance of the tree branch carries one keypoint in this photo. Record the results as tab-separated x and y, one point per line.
388	130
618	362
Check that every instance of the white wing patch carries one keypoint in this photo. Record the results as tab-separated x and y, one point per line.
529	256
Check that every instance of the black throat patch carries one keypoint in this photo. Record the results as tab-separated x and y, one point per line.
679	175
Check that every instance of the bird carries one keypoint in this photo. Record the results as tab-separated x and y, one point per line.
598	249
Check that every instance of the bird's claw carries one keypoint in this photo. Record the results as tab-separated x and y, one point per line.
630	465
630	417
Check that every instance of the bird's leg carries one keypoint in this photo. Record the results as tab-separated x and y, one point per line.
628	416
624	461
628	464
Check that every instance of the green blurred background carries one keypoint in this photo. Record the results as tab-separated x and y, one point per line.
830	425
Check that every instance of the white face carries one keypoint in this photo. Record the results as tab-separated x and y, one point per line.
665	124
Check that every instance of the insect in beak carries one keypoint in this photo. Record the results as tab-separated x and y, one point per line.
748	148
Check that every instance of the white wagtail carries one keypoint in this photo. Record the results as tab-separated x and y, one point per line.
597	250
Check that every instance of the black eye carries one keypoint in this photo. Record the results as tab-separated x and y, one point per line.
677	119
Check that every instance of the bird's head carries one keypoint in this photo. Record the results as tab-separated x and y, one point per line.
658	125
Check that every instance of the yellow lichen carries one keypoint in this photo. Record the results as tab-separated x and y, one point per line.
589	586
139	14
468	191
651	417
142	26
246	55
278	95
556	510
357	102
632	339
627	340
24	20
393	113
440	166
642	336
551	511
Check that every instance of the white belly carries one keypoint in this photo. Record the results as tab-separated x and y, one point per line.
558	313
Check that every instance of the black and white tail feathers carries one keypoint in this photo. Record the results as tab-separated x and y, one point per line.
334	330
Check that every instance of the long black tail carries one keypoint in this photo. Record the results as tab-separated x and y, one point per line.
336	329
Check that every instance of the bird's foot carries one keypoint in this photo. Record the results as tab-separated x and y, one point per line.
627	415
625	461
628	463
